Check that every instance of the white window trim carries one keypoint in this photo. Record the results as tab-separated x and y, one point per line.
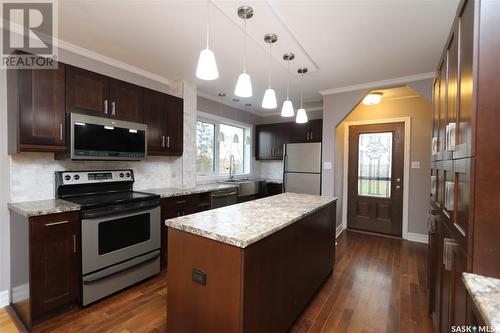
217	120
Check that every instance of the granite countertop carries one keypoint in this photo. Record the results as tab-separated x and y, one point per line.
168	192
485	292
42	207
246	223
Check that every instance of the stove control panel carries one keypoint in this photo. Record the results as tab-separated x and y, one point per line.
92	177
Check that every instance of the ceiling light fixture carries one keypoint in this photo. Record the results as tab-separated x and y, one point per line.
244	85
207	66
221	94
287	108
301	113
372	98
236	100
269	100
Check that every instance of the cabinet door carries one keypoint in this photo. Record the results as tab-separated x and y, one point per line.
86	92
281	137
315	130
299	133
442	108
462	169
42	109
435	119
264	142
452	96
458	293
432	257
446	280
437	281
54	265
126	101
464	116
155	109
174	130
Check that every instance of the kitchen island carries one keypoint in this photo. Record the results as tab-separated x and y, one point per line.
250	267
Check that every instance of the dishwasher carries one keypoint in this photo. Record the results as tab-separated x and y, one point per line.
223	198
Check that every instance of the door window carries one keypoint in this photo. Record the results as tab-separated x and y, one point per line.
375	164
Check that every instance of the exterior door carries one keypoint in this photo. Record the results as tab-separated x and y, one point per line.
375	178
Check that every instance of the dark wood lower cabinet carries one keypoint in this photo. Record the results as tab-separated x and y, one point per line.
45	264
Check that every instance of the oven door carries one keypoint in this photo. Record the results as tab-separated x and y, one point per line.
112	239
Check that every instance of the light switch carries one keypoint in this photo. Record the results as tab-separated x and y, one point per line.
415	164
327	165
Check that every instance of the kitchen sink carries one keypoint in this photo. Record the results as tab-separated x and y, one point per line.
247	187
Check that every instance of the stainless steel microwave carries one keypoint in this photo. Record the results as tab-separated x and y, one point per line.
97	138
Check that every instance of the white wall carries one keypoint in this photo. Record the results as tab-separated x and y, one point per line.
29	176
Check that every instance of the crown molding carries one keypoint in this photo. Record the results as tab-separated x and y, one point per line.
112	62
379	84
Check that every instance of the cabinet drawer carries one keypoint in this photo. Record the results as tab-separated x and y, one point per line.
179	206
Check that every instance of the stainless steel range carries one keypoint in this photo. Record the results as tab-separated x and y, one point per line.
120	229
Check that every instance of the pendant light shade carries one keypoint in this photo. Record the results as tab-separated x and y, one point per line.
244	84
287	109
372	98
301	113
207	66
269	100
301	116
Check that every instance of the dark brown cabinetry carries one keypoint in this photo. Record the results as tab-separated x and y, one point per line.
46	265
464	210
42	109
98	95
164	116
270	138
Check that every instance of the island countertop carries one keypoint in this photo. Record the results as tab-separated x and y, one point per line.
246	223
485	293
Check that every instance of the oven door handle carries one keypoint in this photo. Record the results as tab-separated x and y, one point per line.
120	267
106	211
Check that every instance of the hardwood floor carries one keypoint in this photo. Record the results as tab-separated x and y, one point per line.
378	285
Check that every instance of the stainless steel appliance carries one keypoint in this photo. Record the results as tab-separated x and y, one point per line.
302	168
120	229
97	138
223	198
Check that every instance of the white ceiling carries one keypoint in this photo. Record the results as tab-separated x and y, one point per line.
342	42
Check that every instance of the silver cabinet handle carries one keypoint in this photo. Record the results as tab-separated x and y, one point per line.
310	135
61	131
168	141
74	243
105	106
181	202
56	223
113	108
163	141
307	135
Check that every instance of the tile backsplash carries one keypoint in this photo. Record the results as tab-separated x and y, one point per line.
271	169
32	174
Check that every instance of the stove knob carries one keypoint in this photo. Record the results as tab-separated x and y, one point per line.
128	174
67	177
121	175
76	177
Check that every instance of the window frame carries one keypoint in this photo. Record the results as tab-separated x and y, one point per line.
247	157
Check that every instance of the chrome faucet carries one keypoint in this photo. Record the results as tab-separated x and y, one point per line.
231	166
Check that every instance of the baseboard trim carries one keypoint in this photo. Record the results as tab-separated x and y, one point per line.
339	230
4	298
420	238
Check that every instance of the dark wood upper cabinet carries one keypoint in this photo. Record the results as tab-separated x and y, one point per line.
164	116
270	138
54	264
42	109
125	101
87	92
175	125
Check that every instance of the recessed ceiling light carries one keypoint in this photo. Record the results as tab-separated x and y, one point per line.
221	94
248	104
236	99
372	98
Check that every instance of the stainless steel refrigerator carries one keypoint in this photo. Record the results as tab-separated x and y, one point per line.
302	168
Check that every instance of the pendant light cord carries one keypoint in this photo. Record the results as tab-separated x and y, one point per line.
301	90
245	44
288	83
270	63
208	23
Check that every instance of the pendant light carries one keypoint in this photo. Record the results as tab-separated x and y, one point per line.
372	98
207	66
301	113
244	85
269	100
287	108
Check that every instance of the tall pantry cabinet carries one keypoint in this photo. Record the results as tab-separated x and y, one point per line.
464	215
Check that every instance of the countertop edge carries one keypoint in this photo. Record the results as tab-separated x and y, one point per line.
238	242
487	318
71	207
